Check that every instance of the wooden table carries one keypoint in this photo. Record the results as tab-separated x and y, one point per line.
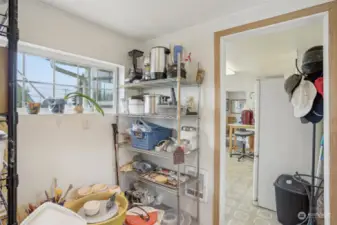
232	128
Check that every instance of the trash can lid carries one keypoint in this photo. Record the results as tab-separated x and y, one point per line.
288	183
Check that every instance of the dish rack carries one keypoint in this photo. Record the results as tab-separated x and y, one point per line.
143	87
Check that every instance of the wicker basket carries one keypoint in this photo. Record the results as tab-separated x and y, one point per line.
121	202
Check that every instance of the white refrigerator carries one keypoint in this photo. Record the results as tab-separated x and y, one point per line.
282	142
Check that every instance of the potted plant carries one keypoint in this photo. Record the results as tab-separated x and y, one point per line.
79	108
58	105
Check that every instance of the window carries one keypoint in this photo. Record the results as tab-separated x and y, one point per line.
42	78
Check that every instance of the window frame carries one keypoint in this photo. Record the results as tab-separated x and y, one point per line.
96	65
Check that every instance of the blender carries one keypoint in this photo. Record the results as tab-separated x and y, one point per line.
134	72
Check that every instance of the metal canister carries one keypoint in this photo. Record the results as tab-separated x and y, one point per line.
159	61
150	104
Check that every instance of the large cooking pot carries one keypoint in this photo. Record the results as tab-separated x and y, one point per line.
159	61
150	104
153	101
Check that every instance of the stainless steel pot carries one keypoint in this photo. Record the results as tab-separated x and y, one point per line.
159	61
150	104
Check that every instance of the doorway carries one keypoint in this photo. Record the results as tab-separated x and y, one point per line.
240	134
260	61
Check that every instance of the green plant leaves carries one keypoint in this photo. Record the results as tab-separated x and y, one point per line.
78	94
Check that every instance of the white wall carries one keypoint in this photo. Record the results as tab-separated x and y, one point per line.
44	25
76	149
68	151
199	40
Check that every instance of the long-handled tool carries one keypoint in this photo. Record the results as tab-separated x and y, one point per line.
65	195
115	133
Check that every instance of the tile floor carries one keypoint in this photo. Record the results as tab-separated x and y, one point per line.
239	208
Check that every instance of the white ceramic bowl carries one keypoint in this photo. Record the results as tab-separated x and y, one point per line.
91	208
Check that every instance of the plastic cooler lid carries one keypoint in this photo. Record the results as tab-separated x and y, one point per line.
52	214
287	182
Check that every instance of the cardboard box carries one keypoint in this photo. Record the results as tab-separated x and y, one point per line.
3	80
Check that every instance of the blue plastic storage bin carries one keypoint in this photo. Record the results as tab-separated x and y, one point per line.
149	136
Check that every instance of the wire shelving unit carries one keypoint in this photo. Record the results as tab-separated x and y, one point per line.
177	83
10	179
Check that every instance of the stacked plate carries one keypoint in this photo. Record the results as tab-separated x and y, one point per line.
104	213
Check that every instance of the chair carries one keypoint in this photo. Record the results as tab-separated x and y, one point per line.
243	134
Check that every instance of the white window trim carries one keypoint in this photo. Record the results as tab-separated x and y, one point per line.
62	56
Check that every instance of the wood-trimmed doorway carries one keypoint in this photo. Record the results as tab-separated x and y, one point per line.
331	9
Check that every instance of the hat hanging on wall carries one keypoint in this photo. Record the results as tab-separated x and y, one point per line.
313	60
316	113
319	85
291	84
303	98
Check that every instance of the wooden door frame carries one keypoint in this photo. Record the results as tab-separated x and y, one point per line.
331	9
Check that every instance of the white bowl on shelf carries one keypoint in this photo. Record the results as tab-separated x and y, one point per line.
91	208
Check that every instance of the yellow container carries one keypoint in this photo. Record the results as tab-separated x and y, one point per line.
122	203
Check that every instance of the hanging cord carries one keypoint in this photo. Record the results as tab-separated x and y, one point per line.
298	69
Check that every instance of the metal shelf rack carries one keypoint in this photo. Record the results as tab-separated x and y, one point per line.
163	155
11	179
157	116
165	83
135	175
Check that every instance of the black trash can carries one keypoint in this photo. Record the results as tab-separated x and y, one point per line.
292	201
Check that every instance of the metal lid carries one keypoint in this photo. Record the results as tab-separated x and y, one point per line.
288	183
167	50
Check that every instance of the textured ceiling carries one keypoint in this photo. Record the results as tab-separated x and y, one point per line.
151	18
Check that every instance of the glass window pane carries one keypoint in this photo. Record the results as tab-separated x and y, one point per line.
38	92
103	80
19	90
38	69
84	80
105	98
66	74
63	90
20	63
103	86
